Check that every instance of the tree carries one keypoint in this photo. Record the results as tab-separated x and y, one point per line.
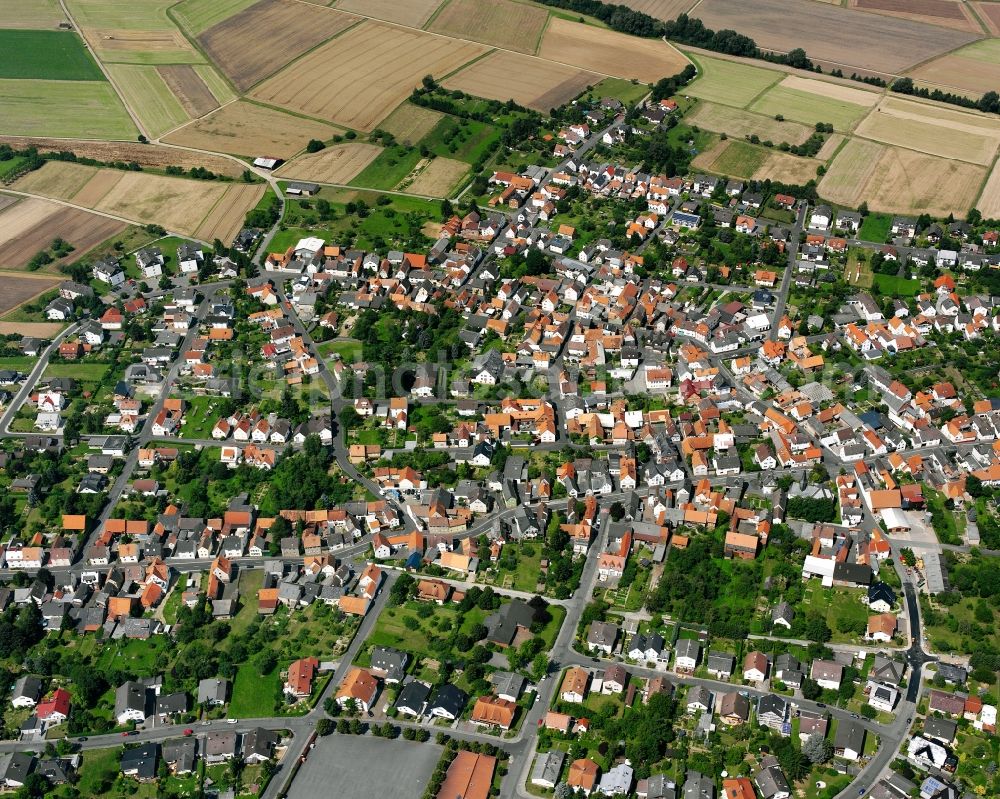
811	689
325	727
817	749
314	146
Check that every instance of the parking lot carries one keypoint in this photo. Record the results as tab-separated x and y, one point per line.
351	765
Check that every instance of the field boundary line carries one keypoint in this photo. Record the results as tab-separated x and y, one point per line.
193	41
311	50
435	14
541	35
986	180
760	95
466	65
969	10
840	147
197	119
952	51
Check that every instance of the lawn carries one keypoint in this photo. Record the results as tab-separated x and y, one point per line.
895	286
515	569
348	349
462	139
253	693
429	622
46	55
100	767
839	606
875	227
69	109
627	91
11	165
389	168
80	370
21	363
199	417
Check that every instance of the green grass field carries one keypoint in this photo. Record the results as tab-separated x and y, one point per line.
150	98
809	108
349	350
625	90
895	286
463	140
389	168
739	159
253	694
70	109
875	227
200	15
730	83
46	55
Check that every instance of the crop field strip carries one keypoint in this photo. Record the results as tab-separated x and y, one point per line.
989	201
37	14
811	101
974	69
502	23
665	10
357	79
539	84
864	41
46	55
197	16
240	50
412	13
409	123
729	82
948	13
135	33
989	13
251	130
739	123
189	88
16	290
149	96
339	163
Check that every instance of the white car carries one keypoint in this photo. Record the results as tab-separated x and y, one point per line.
232	721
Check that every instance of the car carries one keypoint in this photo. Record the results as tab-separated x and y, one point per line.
909	720
81	740
205	723
232	721
855	716
188	732
820	704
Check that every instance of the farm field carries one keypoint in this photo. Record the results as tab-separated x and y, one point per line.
410	123
666	10
30	226
864	41
302	27
30	13
412	13
437	178
339	163
848	175
71	109
149	97
830	146
739	160
989	13
358	78
812	101
904	181
738	124
146	155
179	204
190	89
729	82
15	290
949	13
989	201
788	168
200	15
933	130
608	52
975	69
132	33
245	128
501	23
46	55
531	82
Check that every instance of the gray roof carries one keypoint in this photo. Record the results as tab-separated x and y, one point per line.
548	766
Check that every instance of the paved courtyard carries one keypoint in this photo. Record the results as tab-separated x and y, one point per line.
356	766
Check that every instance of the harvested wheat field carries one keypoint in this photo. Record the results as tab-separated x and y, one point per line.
30	14
974	69
608	52
665	10
531	82
830	146
126	46
16	290
740	124
178	204
146	155
358	78
846	178
410	123
39	329
226	219
862	41
787	168
913	183
260	40
412	13
949	13
501	23
989	201
189	89
811	101
95	189
933	130
339	163
438	178
21	215
58	179
248	129
82	229
989	13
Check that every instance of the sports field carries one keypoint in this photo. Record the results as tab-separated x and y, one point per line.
812	101
410	123
45	55
30	13
149	97
739	124
71	109
242	48
501	23
359	77
531	82
244	128
729	82
934	130
412	13
339	163
608	52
